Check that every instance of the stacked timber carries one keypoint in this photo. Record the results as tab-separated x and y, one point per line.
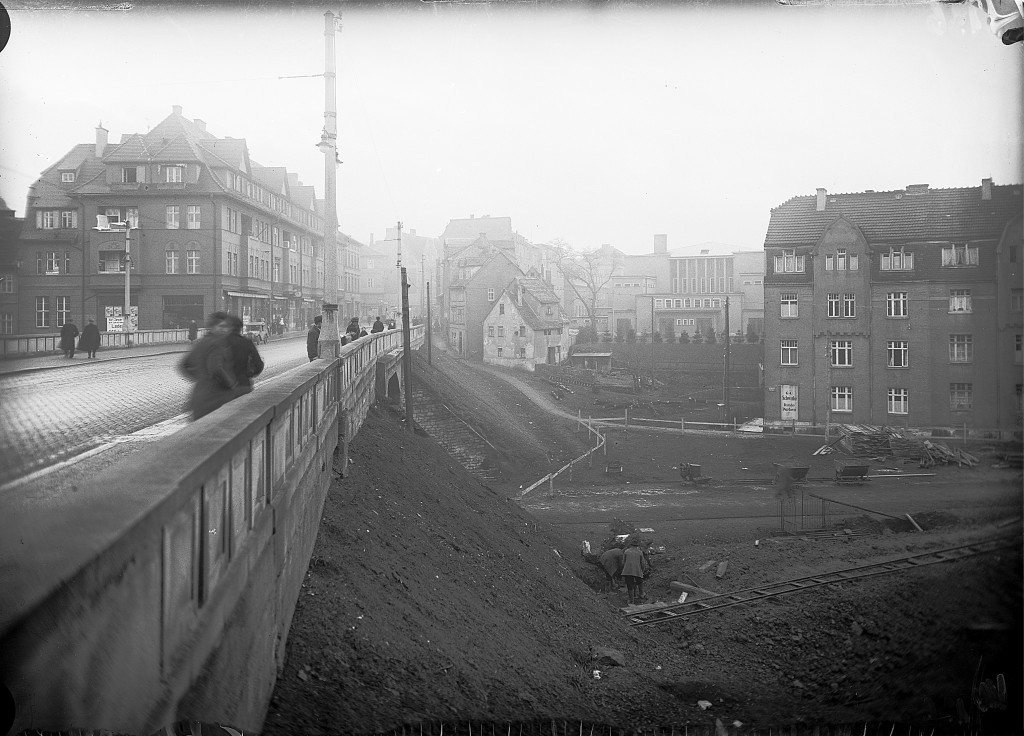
863	440
936	453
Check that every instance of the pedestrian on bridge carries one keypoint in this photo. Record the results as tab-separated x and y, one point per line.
68	333
193	331
246	362
89	342
313	339
378	326
209	365
634	569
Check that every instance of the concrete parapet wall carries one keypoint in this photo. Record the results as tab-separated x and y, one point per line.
164	588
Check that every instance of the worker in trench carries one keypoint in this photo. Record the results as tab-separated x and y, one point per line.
634	568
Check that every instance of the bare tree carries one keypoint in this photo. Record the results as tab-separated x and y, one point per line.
586	273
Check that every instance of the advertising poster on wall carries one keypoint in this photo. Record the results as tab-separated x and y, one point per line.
789	395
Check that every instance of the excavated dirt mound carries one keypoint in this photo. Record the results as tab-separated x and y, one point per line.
433	600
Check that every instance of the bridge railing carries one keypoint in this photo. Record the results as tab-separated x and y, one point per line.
165	587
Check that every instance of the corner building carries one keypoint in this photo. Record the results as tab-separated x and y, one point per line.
210	230
899	308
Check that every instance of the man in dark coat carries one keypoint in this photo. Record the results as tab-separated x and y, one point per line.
353	329
378	326
246	362
68	333
193	331
313	339
208	364
89	342
611	563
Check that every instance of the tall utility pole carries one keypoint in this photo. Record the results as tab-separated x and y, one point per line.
407	349
127	285
725	388
430	328
330	341
652	343
398	265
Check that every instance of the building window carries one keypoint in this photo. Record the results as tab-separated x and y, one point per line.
69	219
896	304
1016	300
490	295
63	310
841	353
899	401
1017	349
46	219
659	303
849	305
131	217
841	259
522	352
961	396
788	262
501	309
42	311
959	300
47	263
789	352
833	305
67	177
522	330
499	352
842	398
171	258
959	254
369	282
67	261
501	331
897	260
490	330
961	348
111	261
6	283
173	217
174	174
789	305
129	175
898	353
193	216
192	261
7	323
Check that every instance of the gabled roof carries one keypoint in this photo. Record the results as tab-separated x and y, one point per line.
133	148
495	228
175	125
274	177
901	215
180	148
456	283
232	151
303	196
74	158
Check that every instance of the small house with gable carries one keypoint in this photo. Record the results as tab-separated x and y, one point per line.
526	326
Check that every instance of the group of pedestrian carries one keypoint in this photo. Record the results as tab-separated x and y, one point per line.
88	340
629	564
352	332
221	364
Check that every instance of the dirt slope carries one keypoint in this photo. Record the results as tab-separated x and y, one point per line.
432	598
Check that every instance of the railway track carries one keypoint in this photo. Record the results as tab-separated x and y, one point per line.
759	593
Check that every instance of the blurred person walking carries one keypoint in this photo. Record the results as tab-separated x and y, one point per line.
209	366
313	339
68	333
246	362
89	342
378	326
634	568
193	331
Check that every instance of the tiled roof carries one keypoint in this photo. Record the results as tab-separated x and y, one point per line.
132	149
75	157
231	151
935	214
275	177
495	228
176	149
303	196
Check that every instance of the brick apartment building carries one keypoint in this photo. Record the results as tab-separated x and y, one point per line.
210	229
898	308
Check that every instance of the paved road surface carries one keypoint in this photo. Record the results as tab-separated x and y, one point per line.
54	415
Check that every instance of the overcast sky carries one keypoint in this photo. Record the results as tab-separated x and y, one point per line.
590	122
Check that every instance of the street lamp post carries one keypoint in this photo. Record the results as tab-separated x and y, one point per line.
103	224
330	338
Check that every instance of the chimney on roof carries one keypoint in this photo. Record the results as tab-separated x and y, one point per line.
986	188
661	243
176	109
705	251
820	206
101	140
201	124
917	188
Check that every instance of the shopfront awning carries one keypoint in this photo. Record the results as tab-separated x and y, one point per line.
248	295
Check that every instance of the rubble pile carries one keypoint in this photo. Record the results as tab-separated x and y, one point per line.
860	440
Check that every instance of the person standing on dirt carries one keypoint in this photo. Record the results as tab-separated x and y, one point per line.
611	562
634	568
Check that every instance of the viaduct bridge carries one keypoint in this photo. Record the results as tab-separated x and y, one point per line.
164	588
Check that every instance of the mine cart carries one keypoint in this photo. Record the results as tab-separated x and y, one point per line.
692	474
795	473
851	472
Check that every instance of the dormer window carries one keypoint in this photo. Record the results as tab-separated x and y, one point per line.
789	262
897	260
959	254
129	175
174	174
67	177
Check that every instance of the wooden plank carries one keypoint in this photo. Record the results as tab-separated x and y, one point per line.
722	567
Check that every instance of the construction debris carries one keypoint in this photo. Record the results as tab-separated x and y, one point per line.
866	441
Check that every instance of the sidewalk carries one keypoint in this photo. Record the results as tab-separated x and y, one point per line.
49	361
